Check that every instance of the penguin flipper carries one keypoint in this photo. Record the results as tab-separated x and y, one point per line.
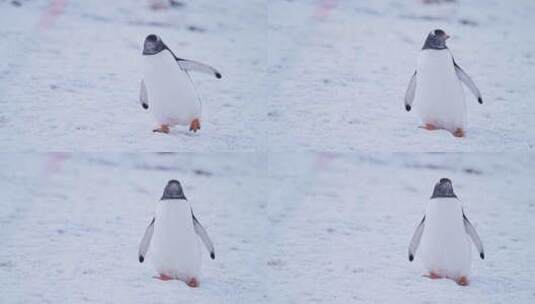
199	229
145	242
471	231
143	96
411	92
190	65
461	74
415	240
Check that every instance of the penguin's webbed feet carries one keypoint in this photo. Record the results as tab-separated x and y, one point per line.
432	276
193	283
462	281
163	277
195	125
429	127
162	129
458	133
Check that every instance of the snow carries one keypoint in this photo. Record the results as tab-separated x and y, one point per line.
71	226
293	216
74	85
287	228
339	75
297	75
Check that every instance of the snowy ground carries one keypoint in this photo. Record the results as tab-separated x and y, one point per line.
70	81
288	228
297	75
71	226
339	72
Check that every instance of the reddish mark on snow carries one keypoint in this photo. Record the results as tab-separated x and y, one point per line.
55	9
55	162
158	5
324	8
324	159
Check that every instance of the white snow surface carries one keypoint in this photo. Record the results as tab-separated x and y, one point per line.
288	225
320	75
339	78
74	86
287	228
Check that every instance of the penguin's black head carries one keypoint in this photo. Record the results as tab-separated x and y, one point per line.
153	45
443	188
436	40
173	190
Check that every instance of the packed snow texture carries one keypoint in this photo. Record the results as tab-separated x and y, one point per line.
339	74
287	228
71	82
297	75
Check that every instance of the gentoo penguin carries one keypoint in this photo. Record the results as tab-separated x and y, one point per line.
444	234
175	249
436	88
167	85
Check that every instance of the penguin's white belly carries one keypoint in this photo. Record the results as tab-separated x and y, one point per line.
439	94
172	96
175	249
445	246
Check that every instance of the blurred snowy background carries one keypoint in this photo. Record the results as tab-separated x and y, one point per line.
297	75
71	226
287	228
71	70
339	71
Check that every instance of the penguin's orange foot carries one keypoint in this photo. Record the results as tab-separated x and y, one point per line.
432	276
193	283
458	133
195	125
462	281
163	129
163	277
429	127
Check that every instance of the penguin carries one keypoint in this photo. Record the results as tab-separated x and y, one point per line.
175	249
444	234
436	88
168	86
